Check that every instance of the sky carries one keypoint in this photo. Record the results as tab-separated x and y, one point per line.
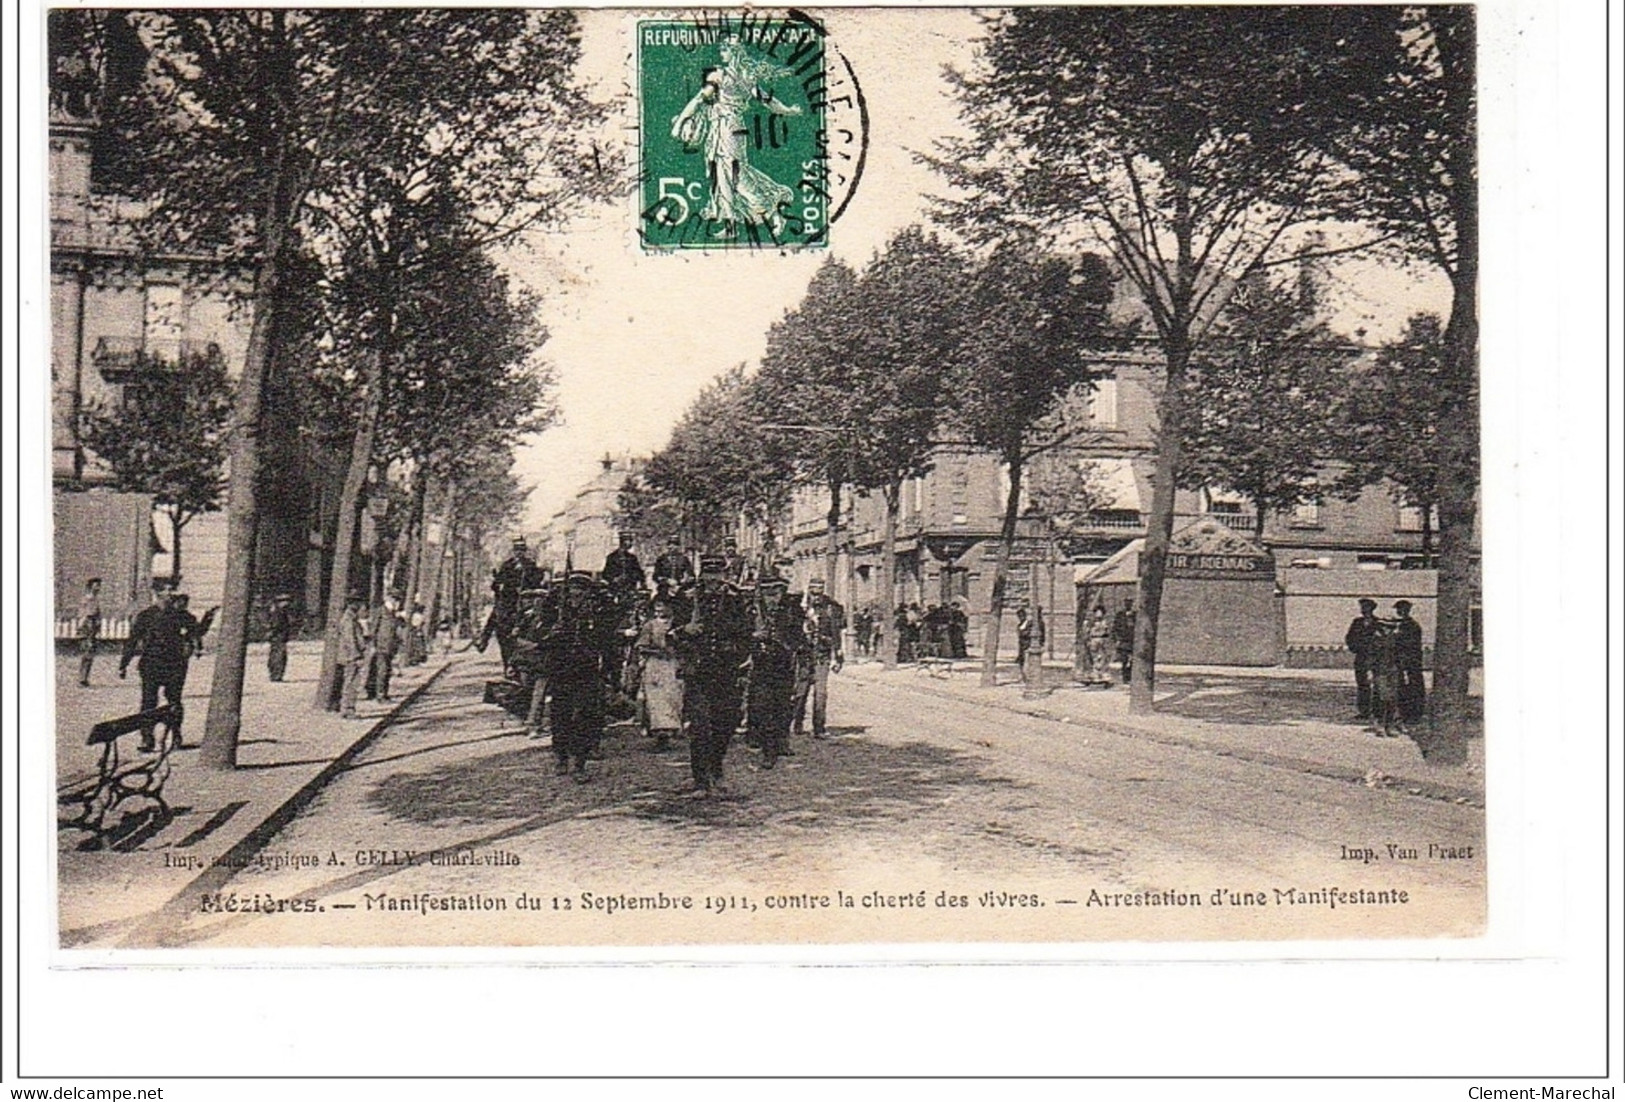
634	337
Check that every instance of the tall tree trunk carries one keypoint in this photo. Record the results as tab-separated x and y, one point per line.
420	547
892	492
832	546
1458	479
1001	572
437	581
1159	527
344	539
223	724
1154	553
175	526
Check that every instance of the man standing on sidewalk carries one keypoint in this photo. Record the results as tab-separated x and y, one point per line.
166	638
386	637
1123	639
90	627
1411	694
1359	639
826	622
278	629
352	656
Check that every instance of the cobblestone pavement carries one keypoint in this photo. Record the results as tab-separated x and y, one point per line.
927	817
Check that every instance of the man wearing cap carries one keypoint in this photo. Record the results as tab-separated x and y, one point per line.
517	573
673	570
1359	640
622	571
1411	695
777	649
166	636
574	664
826	620
733	562
90	627
714	646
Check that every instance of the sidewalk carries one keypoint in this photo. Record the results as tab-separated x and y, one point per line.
221	819
1297	719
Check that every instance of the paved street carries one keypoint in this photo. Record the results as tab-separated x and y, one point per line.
929	816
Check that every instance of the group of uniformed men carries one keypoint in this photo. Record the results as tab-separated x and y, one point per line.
749	654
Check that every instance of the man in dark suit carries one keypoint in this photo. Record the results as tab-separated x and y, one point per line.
826	622
166	638
777	647
1123	639
1359	640
713	647
672	569
517	573
622	571
1411	695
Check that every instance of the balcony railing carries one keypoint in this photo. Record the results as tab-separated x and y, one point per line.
127	359
1117	521
1245	523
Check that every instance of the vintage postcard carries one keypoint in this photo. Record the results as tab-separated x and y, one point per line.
620	479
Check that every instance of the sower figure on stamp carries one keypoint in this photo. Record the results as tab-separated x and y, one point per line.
714	647
826	621
778	646
1359	639
713	123
90	627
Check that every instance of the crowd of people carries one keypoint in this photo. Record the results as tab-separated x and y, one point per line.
691	653
697	653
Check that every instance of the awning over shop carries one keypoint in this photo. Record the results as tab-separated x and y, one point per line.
1124	566
1115	477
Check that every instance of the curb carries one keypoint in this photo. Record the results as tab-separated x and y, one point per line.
1410	786
149	931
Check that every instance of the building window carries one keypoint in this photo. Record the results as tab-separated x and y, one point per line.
1103	404
1410	519
1306	514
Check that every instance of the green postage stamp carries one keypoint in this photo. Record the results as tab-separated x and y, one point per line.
734	150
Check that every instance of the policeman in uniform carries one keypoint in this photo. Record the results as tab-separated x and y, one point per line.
622	571
713	647
574	665
538	613
517	573
673	571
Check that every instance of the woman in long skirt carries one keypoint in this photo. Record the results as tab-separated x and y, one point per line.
1100	647
660	693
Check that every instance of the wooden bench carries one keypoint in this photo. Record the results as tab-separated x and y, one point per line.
120	778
